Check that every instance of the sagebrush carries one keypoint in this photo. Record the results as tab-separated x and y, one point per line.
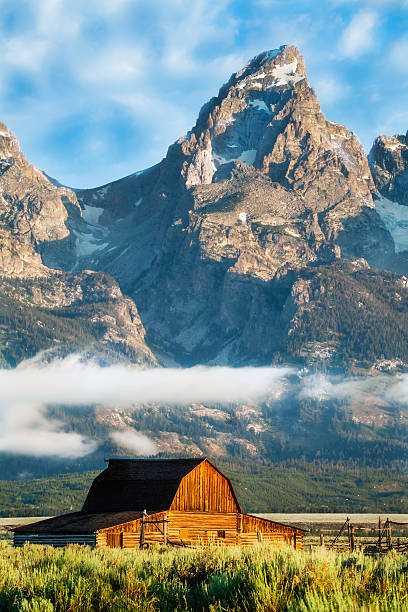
40	578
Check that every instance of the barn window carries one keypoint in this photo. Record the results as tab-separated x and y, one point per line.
221	533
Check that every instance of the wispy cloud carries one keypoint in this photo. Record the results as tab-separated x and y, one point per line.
26	429
398	54
134	442
132	76
28	392
330	89
358	36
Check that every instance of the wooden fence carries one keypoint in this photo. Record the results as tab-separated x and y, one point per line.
347	540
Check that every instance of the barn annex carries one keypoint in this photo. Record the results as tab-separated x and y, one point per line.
182	502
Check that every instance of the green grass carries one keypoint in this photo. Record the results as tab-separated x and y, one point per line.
43	579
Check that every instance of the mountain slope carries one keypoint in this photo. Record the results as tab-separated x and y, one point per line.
213	239
255	240
224	246
42	227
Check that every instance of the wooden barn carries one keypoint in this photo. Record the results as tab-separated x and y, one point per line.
181	502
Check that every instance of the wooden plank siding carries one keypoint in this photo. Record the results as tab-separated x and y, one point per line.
202	529
271	532
205	489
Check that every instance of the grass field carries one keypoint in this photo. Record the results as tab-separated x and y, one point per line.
43	579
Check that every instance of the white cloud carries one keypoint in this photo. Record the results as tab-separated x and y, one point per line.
329	89
382	388
358	37
18	52
134	442
25	429
27	390
71	382
383	4
397	57
113	65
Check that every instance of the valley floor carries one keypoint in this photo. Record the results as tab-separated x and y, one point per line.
214	580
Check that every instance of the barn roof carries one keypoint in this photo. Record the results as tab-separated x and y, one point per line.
79	522
137	484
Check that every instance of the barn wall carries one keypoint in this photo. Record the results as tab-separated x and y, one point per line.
127	535
202	528
254	529
204	489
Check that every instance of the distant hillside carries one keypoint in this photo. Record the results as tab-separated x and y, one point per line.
301	487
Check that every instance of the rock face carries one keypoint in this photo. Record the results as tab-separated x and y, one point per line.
222	246
388	161
42	227
209	242
33	211
389	165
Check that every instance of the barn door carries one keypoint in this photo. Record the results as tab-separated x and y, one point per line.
114	540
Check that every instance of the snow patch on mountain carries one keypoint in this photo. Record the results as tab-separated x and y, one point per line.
248	157
285	74
259	105
395	218
87	244
92	214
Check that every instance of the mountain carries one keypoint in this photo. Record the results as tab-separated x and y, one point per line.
228	247
42	308
388	161
217	244
264	236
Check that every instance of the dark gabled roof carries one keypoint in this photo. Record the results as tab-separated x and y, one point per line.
78	522
137	484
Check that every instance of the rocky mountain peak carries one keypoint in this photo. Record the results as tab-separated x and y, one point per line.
232	127
220	244
267	116
388	160
33	212
283	64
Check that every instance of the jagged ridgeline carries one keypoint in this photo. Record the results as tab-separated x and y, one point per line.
257	226
265	235
256	239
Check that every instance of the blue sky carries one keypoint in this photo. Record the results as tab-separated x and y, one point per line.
97	89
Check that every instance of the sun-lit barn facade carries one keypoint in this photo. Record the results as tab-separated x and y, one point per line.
180	502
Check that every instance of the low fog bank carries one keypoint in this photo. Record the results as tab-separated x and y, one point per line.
27	392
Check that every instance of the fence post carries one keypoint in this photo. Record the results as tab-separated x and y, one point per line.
389	534
141	541
379	532
349	532
164	532
321	539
